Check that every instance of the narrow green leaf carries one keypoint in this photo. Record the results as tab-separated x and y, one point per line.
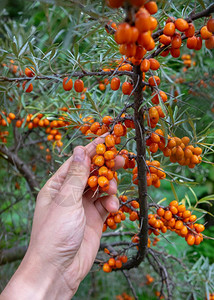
174	192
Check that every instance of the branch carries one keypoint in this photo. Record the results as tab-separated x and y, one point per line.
74	74
12	254
130	284
21	166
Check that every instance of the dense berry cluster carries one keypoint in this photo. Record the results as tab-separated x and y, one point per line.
115	262
176	218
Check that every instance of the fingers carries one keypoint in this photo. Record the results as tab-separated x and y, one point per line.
105	205
76	178
119	162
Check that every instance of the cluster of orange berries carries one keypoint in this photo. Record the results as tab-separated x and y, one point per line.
124	296
187	60
5	122
3	136
179	150
154	174
176	218
104	160
149	279
136	40
113	219
129	207
114	263
68	85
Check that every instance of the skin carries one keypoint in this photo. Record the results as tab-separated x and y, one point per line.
66	231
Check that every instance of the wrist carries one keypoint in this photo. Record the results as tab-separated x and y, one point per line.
37	280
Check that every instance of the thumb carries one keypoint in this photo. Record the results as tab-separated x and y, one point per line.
76	178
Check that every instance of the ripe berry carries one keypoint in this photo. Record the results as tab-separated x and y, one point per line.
127	88
153	81
79	86
29	89
106	268
181	24
169	29
67	84
92	181
115	83
103	182
100	149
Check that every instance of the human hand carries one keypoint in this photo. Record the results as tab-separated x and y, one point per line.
67	228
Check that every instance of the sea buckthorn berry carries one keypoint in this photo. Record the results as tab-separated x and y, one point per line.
190	239
94	127
175	52
169	29
100	149
153	23
199	227
103	182
181	24
209	43
192	218
67	84
192	42
145	65
110	140
155	138
154	80
107	120
29	72
111	262
190	31
197	151
103	171
184	231
11	116
153	147
178	225
181	208
186	214
127	88
199	43
176	41
153	114
99	161
151	6
92	181
118	130
185	140
123	33
118	264
106	267
110	163
29	89
133	216
160	212
205	33
124	258
210	25
173	209
168	215
163	96
142	21
79	86
109	155
154	64
165	39
115	83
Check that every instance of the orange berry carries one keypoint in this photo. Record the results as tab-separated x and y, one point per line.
190	31
192	218
154	64
151	6
92	181
118	264
79	86
118	130
197	151
111	262
178	225
115	83
210	25
186	214
29	89
181	24
164	39
99	161
192	42
123	33
160	212
142	21
107	120
127	88
176	41
110	140
190	239
145	65
100	149
67	84
168	215
169	29
103	182
173	209
133	216
108	155
106	267
205	33
154	81
175	52
11	116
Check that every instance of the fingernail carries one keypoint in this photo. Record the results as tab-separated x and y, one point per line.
79	154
